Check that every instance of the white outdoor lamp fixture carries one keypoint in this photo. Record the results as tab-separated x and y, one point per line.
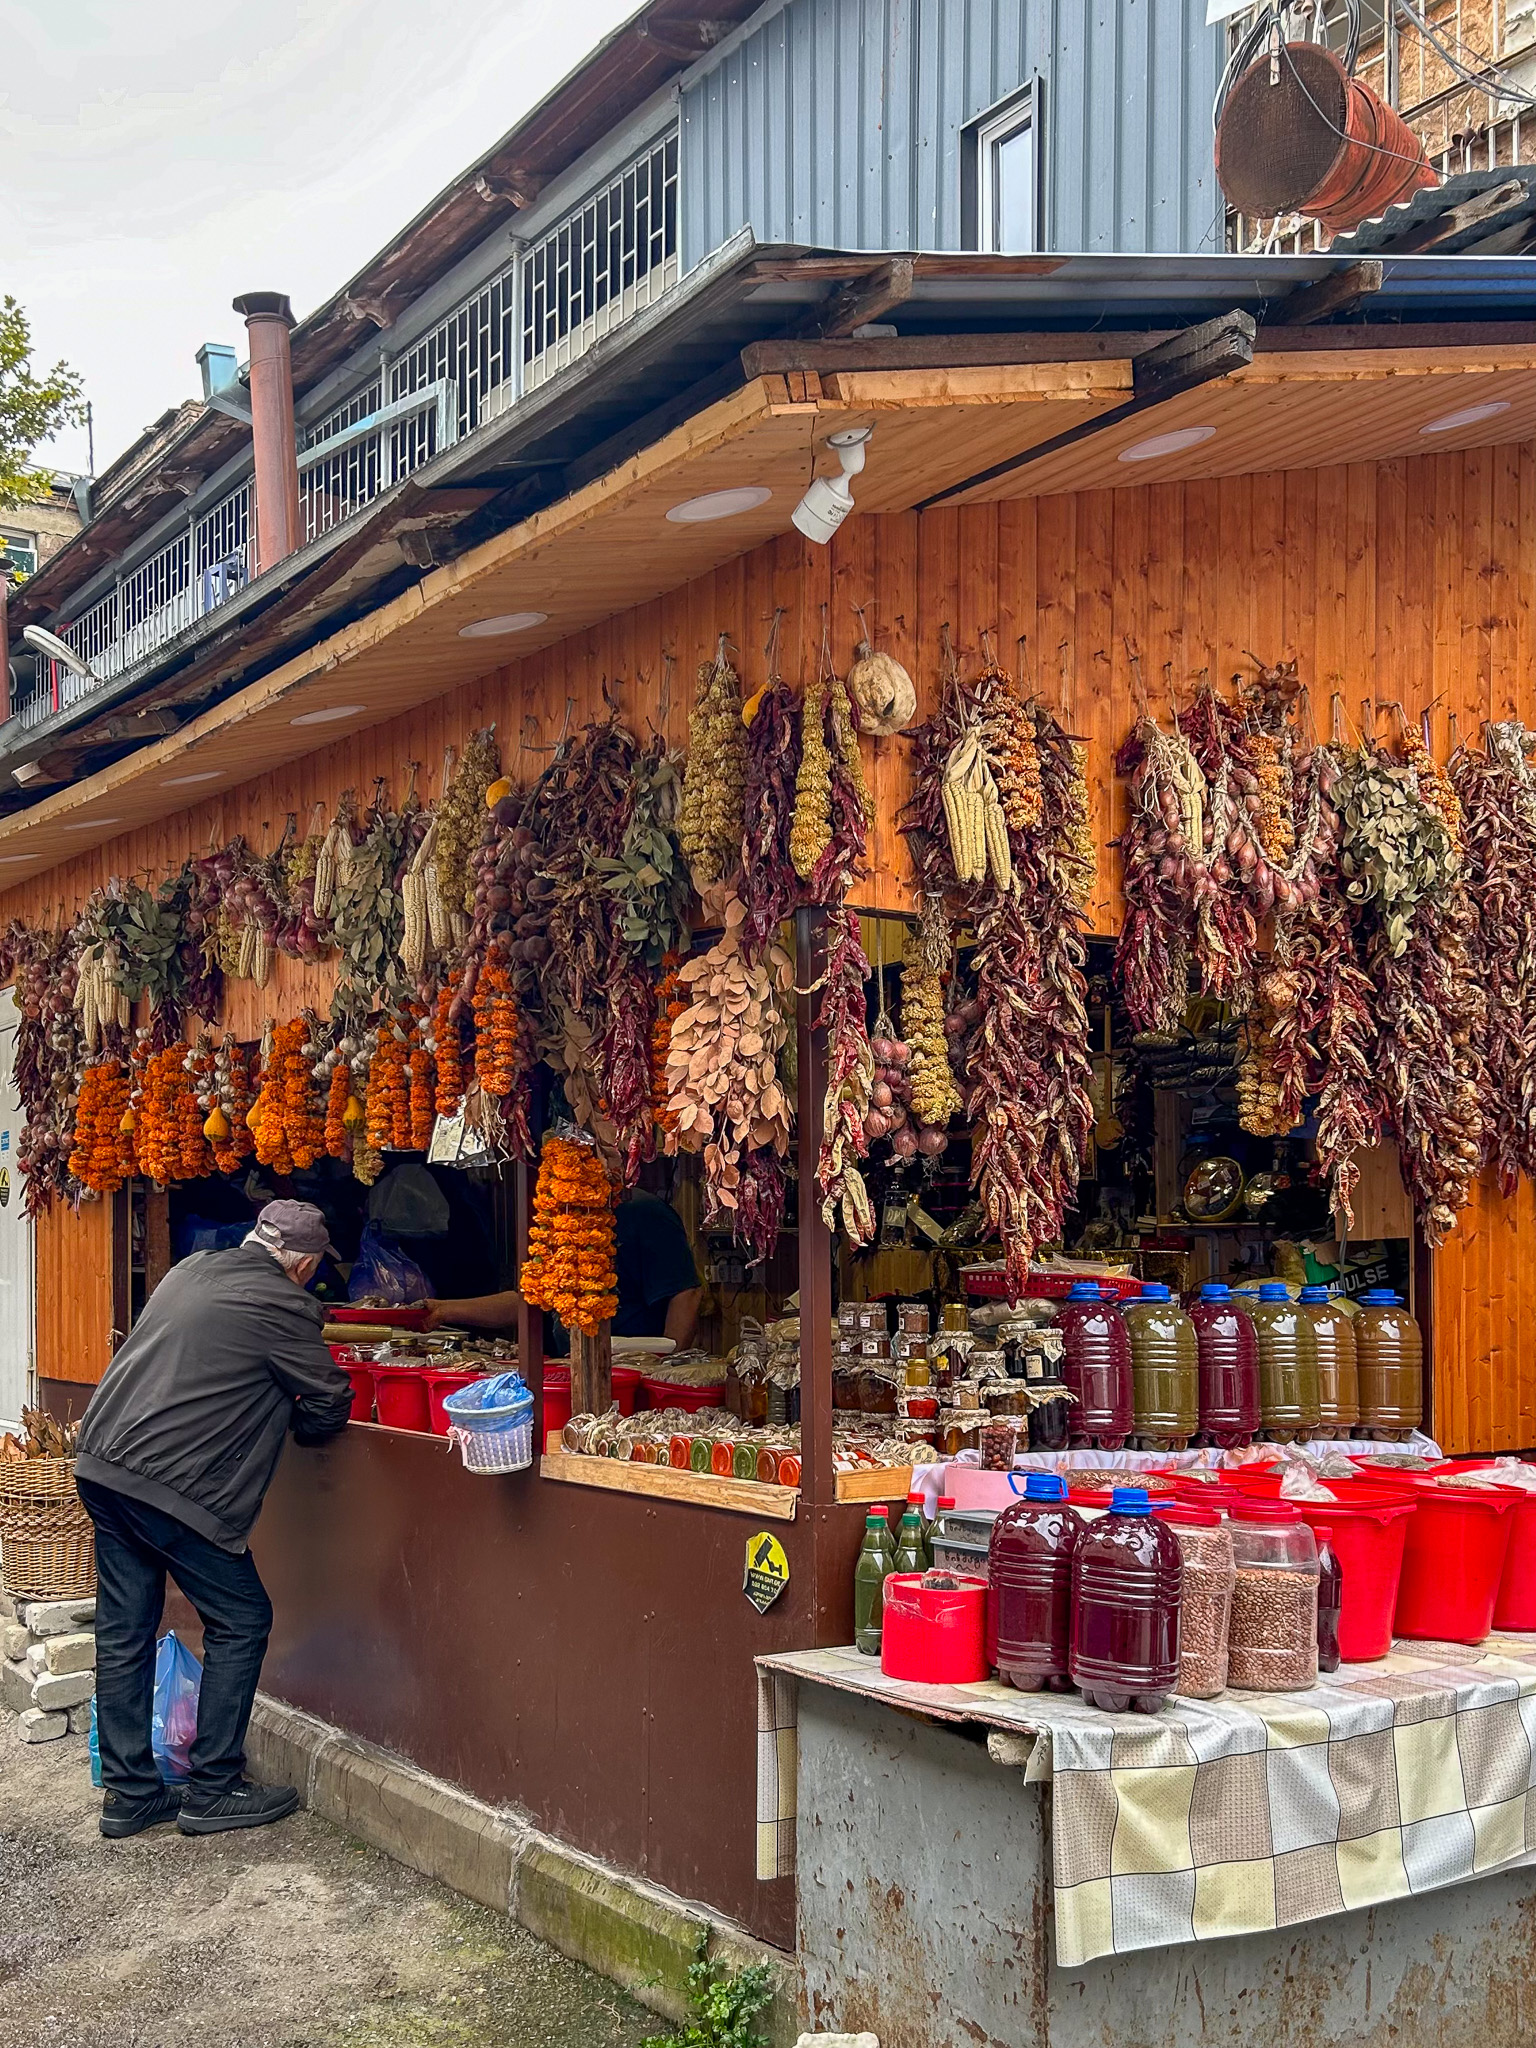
41	641
829	499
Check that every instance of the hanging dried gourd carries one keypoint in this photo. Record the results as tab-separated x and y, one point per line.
710	813
880	689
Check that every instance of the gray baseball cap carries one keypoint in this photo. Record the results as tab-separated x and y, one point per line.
294	1227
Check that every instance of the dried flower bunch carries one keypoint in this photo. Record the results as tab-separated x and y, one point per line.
710	818
572	1247
724	1099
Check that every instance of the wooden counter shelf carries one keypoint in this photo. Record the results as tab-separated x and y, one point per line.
892	1482
661	1482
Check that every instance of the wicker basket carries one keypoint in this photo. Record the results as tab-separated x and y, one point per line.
47	1540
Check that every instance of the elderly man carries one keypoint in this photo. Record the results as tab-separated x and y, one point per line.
177	1449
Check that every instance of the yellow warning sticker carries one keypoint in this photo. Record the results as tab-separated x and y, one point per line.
767	1570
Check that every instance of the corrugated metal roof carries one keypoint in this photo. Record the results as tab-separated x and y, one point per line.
1376	237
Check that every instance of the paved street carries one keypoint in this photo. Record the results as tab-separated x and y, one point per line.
294	1936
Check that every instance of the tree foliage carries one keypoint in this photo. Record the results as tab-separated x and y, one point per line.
33	407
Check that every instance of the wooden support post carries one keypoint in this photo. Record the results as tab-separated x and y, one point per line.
157	1237
530	1321
817	1481
592	1372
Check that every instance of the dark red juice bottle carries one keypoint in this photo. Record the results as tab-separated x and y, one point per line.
1029	1597
1127	1581
1330	1598
1096	1365
1229	1367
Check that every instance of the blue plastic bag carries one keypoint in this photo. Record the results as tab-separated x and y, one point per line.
95	1748
381	1272
178	1681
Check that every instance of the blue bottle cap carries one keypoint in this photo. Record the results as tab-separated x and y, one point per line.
1215	1290
1044	1486
1314	1294
1379	1297
1085	1290
1274	1290
1153	1290
1130	1500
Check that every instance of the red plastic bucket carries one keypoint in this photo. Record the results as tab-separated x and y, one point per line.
445	1380
1453	1561
400	1392
934	1637
557	1397
1370	1531
626	1385
1515	1607
662	1394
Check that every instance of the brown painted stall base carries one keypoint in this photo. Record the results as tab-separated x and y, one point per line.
582	1656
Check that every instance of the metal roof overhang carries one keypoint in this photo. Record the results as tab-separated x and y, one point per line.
588	427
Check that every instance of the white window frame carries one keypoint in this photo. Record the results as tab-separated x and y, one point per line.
12	540
1019	113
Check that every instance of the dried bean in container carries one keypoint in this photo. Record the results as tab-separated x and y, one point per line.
1205	1611
1272	1646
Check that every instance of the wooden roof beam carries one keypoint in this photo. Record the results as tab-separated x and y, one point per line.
1340	293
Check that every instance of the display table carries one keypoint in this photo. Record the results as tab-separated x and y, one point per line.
1253	1816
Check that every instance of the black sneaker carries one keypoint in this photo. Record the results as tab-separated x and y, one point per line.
247	1806
120	1816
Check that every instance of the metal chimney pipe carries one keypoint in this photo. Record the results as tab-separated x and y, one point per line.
268	318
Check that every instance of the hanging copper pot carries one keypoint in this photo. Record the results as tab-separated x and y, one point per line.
1299	135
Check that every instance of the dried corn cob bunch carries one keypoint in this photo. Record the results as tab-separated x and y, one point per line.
1015	758
1269	805
973	810
810	831
935	1095
709	816
1080	857
101	1003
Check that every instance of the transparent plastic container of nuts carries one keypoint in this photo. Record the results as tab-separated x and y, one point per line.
1205	1609
1272	1640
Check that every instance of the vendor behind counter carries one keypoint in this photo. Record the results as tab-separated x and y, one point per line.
659	1291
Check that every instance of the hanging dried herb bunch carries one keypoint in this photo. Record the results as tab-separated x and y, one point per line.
709	821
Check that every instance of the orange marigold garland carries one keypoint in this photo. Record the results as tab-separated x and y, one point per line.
572	1246
496	1029
231	1091
423	1095
158	1128
338	1133
194	1152
102	1154
448	1051
287	1125
388	1108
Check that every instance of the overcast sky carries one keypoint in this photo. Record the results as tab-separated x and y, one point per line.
160	157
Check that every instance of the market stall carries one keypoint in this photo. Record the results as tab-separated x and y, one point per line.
921	979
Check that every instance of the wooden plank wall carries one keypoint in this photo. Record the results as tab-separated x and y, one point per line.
1409	580
74	1292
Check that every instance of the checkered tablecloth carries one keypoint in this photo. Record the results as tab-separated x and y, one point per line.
1254	1811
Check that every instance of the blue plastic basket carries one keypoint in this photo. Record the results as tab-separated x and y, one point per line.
491	1421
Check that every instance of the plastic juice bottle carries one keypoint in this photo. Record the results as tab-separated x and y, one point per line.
911	1550
1229	1367
1330	1598
1029	1595
1127	1581
1338	1380
1288	1396
916	1500
1165	1369
1390	1351
874	1567
1096	1365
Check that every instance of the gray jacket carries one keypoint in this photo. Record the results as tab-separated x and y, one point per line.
192	1413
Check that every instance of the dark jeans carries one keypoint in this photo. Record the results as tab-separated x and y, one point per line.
136	1546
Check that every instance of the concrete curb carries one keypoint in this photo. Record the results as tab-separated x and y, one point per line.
640	1936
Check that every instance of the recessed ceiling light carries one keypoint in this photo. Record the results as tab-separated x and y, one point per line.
202	775
719	505
1466	416
506	622
90	824
326	717
1166	444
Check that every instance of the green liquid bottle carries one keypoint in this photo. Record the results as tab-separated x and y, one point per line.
925	1527
911	1551
876	1561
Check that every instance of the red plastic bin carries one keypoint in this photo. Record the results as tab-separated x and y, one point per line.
1370	1533
1515	1607
1453	1561
934	1636
626	1385
443	1380
662	1394
400	1395
557	1398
